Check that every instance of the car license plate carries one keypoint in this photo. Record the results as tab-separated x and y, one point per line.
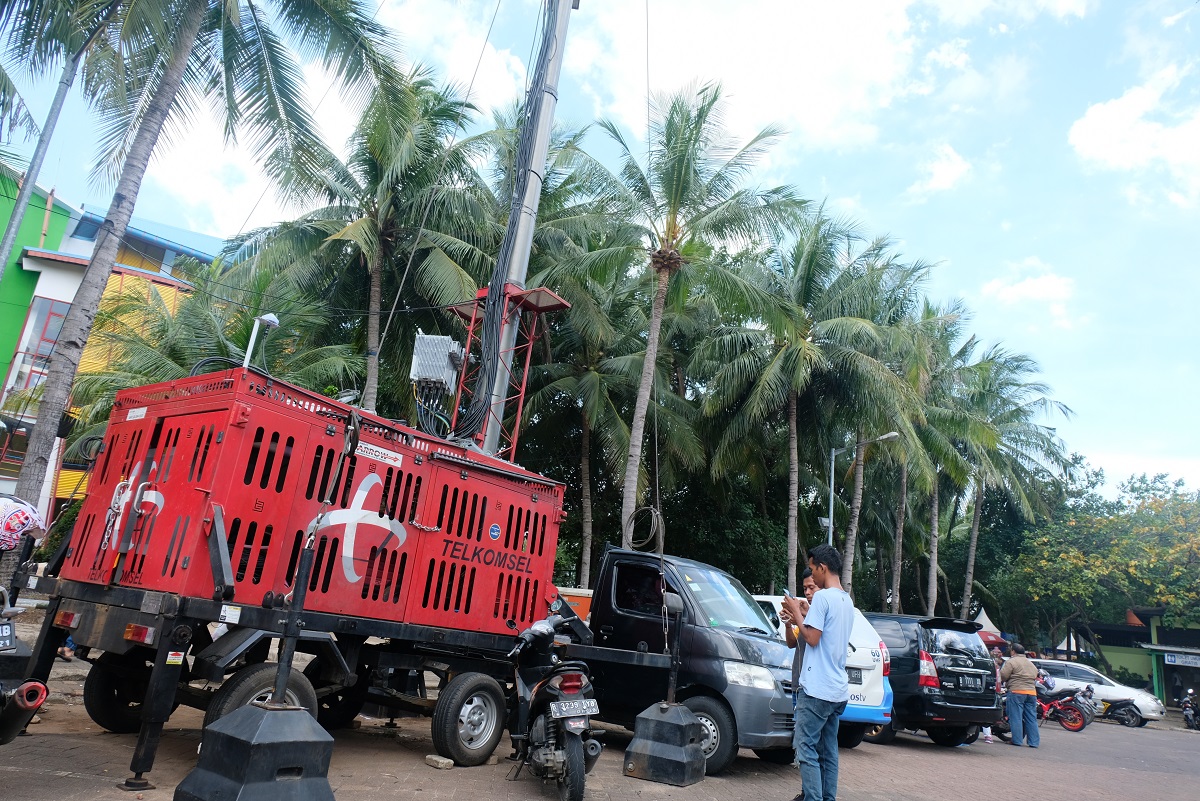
6	636
854	675
570	709
972	683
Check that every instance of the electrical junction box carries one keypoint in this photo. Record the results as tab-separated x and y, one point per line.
436	362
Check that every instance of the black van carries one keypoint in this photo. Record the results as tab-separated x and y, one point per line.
943	678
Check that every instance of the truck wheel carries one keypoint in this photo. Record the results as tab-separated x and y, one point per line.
114	690
851	734
339	708
950	736
880	735
720	733
469	719
257	683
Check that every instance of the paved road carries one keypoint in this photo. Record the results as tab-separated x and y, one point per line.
68	757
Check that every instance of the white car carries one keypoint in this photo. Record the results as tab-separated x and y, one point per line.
867	666
1074	676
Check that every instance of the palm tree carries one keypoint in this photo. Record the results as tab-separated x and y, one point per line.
394	201
38	35
162	335
1000	390
222	54
688	200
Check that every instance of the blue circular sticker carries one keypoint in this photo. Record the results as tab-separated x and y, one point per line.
494	531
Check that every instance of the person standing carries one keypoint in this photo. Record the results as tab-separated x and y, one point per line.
1020	676
998	660
820	698
792	634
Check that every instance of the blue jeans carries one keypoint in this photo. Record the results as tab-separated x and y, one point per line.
815	741
1022	719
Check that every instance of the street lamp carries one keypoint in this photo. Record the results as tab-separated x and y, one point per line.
833	452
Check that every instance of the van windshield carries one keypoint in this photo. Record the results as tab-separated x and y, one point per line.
725	602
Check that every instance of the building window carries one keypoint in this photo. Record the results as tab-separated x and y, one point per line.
36	344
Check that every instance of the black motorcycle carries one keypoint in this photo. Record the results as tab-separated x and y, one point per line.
550	718
1123	711
1188	707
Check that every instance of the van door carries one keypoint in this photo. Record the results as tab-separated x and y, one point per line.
632	620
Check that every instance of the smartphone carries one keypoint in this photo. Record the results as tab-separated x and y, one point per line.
787	593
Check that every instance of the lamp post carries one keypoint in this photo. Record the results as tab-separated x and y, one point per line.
833	452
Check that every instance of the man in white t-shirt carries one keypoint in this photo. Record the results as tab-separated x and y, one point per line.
821	697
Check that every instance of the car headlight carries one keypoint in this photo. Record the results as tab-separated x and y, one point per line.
745	675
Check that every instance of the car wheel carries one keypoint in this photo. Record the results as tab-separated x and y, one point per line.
972	735
720	732
880	735
468	719
949	736
1142	723
851	734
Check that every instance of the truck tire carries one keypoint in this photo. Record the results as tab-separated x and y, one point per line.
338	709
468	719
114	690
256	683
880	735
851	734
720	742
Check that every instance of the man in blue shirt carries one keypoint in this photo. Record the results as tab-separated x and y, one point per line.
821	697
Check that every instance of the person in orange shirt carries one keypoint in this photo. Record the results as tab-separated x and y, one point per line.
1020	676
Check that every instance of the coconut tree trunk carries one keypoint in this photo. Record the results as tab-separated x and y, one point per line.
374	301
585	477
629	497
793	533
860	451
898	547
969	583
931	588
65	81
78	323
880	577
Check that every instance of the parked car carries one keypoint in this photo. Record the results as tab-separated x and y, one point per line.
943	678
867	667
1074	676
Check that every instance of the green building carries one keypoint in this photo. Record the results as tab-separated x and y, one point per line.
44	226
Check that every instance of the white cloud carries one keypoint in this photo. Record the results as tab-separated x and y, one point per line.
785	63
967	12
941	173
1033	286
1144	134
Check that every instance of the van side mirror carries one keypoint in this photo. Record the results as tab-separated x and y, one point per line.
673	602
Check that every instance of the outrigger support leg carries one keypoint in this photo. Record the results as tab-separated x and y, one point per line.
158	704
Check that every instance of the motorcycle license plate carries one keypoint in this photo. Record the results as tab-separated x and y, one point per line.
972	683
854	675
6	636
571	709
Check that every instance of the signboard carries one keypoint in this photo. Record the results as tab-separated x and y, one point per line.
1186	660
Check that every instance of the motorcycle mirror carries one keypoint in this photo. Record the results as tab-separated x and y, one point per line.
673	603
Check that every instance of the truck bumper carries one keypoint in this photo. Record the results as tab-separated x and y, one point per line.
764	717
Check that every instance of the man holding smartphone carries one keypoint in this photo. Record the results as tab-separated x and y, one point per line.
820	697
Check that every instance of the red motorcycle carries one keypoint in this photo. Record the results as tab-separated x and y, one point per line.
1060	706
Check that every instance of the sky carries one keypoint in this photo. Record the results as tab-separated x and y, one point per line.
1043	155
